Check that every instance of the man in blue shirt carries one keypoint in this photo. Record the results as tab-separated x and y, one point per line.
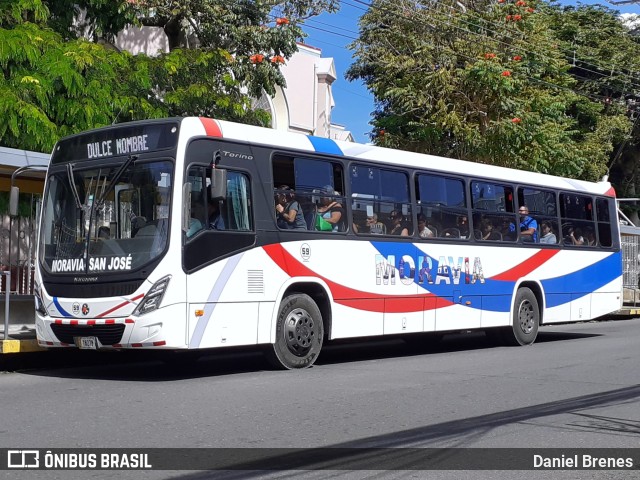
528	226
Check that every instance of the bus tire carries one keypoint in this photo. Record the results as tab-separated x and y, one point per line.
525	319
299	333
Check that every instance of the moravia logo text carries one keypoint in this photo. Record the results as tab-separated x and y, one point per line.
448	270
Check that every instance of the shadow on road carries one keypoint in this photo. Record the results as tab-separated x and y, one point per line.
398	450
157	366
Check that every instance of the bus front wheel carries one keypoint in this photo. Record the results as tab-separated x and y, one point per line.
299	333
525	318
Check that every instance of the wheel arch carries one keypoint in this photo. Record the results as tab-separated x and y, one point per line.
319	293
538	290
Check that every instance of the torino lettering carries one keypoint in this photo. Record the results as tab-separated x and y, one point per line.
423	270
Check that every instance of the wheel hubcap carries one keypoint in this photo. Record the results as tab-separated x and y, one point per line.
299	332
526	316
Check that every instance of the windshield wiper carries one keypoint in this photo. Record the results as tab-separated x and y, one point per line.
115	179
72	183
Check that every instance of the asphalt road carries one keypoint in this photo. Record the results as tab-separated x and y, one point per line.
577	387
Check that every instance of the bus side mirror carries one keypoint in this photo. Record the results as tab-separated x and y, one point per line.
218	183
13	201
186	206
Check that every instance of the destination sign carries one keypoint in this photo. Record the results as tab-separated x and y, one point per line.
116	141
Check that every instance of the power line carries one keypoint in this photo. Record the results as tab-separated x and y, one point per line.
333	33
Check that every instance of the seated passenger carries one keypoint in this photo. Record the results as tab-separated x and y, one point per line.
330	211
197	218
547	234
215	216
574	237
528	226
462	224
590	237
423	230
398	226
288	211
376	227
487	231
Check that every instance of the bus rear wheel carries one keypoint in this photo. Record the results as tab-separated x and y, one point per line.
299	333
525	318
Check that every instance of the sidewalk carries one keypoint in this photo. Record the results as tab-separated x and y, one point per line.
22	330
22	338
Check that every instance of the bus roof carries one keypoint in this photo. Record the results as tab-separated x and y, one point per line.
297	141
196	126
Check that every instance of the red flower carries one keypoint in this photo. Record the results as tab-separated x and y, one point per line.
282	21
506	73
489	56
516	120
277	59
517	18
520	3
508	17
531	10
500	1
257	58
517	58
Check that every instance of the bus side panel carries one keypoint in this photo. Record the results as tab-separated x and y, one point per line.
602	302
580	307
559	309
357	318
231	324
403	315
456	316
225	297
166	324
491	314
429	314
266	330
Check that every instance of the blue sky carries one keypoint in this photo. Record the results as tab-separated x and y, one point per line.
333	32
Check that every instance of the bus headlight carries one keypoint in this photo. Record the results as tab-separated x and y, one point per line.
152	299
37	296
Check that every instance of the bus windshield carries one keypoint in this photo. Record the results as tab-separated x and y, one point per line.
106	219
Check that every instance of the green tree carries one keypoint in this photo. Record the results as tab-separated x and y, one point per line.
487	82
63	75
50	87
222	53
603	55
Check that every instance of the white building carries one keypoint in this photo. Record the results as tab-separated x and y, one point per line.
305	104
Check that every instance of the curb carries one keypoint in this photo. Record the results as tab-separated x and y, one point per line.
20	346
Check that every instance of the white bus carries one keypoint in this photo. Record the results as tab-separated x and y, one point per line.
164	234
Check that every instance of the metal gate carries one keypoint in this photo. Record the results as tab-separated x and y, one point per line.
631	266
18	247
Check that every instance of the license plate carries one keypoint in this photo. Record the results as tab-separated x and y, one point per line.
87	343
